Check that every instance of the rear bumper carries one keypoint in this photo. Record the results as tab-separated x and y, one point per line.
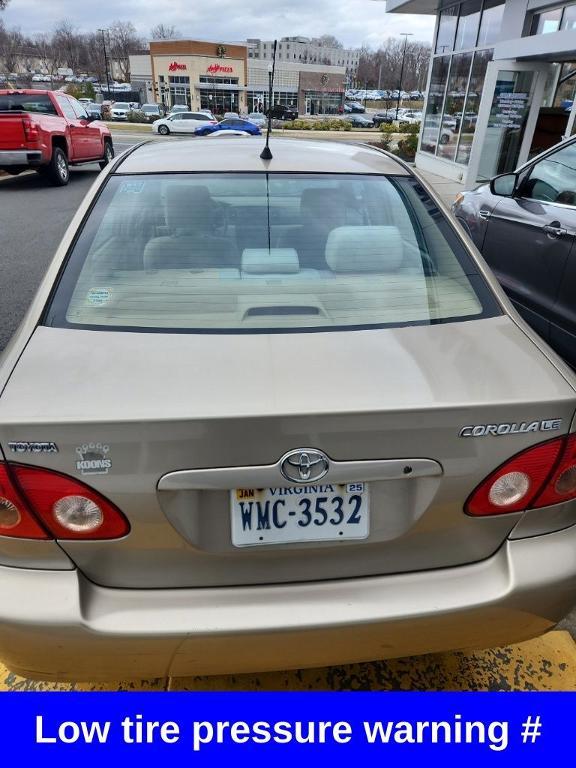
20	157
56	624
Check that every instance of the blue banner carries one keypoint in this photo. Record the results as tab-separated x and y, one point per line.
292	729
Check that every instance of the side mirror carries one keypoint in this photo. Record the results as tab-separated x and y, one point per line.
504	185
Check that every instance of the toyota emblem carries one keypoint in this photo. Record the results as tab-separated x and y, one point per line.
304	465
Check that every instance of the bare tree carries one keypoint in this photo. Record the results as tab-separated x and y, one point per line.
124	40
327	41
3	4
95	61
11	43
381	68
49	54
70	44
164	32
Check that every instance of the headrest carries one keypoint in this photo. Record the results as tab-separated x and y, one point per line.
189	208
264	261
364	249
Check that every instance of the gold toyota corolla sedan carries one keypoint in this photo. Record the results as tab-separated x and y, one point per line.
269	414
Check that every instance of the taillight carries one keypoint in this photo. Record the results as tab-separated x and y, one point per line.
538	477
16	519
33	499
30	129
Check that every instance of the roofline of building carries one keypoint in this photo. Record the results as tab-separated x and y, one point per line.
242	44
427	7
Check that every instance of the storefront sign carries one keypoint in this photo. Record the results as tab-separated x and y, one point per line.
174	66
215	68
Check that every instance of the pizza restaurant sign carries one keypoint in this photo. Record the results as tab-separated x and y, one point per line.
213	69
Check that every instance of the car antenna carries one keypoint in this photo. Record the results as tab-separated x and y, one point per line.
266	154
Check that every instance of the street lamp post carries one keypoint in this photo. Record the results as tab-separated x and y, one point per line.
103	33
406	36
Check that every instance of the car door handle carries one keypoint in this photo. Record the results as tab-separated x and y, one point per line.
555	229
484	214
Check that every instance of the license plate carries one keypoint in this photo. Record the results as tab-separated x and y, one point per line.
302	513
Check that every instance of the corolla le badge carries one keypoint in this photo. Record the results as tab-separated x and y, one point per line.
304	465
483	430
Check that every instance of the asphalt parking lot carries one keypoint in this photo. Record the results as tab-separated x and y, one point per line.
33	218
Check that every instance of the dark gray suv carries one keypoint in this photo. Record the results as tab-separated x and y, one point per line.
524	224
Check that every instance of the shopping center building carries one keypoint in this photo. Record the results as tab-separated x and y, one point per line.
501	84
203	75
222	77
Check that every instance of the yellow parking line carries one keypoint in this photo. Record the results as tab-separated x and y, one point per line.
546	663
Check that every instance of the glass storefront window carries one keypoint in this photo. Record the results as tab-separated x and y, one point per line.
546	22
490	23
434	104
569	17
447	29
320	103
454	106
258	100
468	24
565	91
468	121
219	102
506	124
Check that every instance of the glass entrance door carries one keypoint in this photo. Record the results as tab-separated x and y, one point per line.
511	101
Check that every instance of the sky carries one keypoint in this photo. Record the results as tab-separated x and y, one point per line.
354	22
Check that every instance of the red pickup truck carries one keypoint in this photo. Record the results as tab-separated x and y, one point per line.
49	131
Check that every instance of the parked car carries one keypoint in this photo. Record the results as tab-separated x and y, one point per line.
231	124
152	111
381	118
282	112
48	131
355	107
182	122
523	223
258	118
160	516
177	108
438	130
229	115
94	110
410	117
360	121
120	110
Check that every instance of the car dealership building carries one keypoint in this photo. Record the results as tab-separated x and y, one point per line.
222	77
500	86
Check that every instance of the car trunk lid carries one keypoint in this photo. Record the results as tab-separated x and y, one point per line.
167	425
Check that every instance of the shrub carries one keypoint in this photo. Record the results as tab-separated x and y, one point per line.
388	128
81	90
136	116
407	147
385	142
327	124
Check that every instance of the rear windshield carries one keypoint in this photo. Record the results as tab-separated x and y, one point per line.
266	253
21	102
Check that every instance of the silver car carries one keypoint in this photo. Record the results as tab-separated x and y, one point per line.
272	414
